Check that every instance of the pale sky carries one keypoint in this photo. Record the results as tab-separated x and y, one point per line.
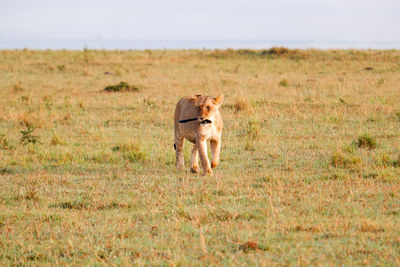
317	20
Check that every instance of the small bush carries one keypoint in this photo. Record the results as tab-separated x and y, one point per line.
366	141
121	87
27	136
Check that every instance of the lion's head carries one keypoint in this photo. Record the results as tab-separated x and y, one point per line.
207	107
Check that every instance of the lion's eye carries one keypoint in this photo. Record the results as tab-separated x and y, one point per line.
208	108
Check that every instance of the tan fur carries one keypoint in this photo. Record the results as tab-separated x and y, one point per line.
202	108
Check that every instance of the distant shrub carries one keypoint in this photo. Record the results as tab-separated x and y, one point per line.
366	141
27	136
121	87
301	54
273	52
277	51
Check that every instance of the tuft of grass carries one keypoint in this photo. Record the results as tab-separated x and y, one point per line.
397	115
366	141
85	204
31	193
135	156
252	132
396	163
27	136
283	83
131	151
253	129
384	160
4	144
338	159
121	87
248	246
74	204
18	88
6	170
61	67
368	226
241	104
57	140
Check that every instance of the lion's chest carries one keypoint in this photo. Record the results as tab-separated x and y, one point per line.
193	130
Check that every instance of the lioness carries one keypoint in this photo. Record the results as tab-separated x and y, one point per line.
198	119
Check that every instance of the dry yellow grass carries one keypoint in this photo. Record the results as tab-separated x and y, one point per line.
309	173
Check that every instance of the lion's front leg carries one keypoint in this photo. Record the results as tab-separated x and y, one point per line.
215	149
194	162
201	144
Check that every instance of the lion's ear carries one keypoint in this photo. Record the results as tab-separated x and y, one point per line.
219	100
194	98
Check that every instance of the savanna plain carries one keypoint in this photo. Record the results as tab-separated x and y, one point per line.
309	171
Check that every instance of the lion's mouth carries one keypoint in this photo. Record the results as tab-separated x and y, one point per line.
205	122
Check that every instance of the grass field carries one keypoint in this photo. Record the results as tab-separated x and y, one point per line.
309	172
